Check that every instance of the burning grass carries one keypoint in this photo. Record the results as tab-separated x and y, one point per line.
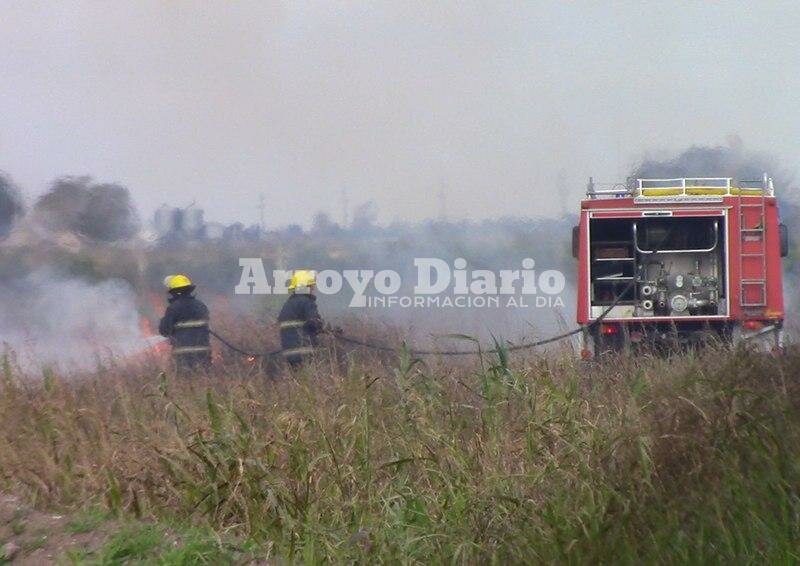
693	458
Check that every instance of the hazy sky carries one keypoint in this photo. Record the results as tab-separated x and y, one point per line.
392	101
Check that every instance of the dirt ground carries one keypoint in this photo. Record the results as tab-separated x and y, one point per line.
30	537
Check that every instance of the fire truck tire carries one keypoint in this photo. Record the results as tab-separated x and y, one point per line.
768	339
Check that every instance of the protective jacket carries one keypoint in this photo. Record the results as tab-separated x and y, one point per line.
185	323
300	324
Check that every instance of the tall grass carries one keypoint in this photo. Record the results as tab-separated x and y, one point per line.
687	459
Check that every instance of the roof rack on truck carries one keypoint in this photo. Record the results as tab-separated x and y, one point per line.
682	187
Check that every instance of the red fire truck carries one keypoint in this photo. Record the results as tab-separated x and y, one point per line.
674	261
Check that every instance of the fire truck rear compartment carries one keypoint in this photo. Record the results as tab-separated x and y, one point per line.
657	267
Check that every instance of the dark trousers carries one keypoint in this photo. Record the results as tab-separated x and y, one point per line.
296	362
189	363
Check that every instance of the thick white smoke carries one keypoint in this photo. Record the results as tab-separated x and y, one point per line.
51	320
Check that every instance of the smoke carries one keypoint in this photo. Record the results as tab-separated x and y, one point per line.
101	212
47	319
10	204
492	245
732	160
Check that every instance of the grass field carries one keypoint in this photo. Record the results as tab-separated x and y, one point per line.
688	459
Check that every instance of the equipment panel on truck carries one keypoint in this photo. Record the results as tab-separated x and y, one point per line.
680	259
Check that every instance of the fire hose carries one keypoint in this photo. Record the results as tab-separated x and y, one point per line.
244	352
509	348
386	348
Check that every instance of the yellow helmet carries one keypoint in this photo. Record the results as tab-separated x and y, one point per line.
302	278
179	281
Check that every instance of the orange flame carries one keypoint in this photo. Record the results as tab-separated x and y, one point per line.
155	345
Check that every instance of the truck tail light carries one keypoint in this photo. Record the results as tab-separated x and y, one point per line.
609	329
753	325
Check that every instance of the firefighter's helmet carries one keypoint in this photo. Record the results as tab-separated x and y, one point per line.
178	283
302	278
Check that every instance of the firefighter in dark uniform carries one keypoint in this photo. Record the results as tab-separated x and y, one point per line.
185	323
299	320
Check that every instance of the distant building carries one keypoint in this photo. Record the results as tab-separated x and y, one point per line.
165	220
172	223
176	225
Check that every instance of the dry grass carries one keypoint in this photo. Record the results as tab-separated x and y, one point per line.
691	458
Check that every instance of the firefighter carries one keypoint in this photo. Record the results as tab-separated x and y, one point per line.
185	323
299	320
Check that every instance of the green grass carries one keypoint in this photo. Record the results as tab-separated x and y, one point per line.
35	542
158	544
200	546
691	459
132	544
87	520
18	527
